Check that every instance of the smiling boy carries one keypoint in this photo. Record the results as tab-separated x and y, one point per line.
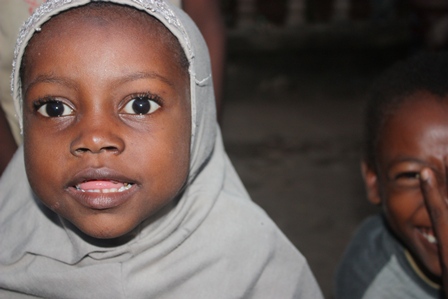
396	254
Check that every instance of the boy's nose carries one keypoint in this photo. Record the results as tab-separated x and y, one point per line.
97	136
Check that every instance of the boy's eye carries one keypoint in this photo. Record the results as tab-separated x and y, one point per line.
410	175
54	109
408	179
141	105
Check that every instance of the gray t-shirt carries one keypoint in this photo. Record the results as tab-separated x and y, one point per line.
375	266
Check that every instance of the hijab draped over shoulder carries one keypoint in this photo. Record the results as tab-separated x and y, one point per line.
213	242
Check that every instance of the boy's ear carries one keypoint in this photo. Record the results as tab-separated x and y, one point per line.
371	182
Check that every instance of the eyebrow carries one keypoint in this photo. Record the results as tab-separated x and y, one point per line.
406	159
144	75
50	78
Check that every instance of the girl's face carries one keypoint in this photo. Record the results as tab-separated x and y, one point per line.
416	136
106	121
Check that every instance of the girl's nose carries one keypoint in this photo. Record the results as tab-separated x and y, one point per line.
97	135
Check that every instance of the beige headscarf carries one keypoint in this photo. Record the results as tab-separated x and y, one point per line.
214	243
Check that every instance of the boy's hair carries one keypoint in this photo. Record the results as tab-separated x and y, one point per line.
423	72
131	13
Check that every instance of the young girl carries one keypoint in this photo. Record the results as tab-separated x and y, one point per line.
403	252
122	188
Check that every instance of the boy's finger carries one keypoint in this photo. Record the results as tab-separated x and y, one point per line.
434	200
437	208
438	211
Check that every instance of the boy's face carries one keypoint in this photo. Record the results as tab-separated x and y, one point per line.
106	122
416	136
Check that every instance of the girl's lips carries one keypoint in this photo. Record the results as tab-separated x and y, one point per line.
103	186
102	199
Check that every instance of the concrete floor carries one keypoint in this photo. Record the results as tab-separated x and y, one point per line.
292	127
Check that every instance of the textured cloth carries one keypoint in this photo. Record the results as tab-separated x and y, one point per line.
375	266
12	15
214	242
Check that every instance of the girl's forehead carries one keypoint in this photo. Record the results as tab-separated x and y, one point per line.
109	18
107	15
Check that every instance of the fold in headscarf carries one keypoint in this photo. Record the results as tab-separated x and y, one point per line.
214	242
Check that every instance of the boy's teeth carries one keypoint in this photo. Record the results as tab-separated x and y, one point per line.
431	239
124	187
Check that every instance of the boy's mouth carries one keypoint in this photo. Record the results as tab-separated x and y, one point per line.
103	186
428	234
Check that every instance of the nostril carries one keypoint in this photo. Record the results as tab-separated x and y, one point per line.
109	149
81	150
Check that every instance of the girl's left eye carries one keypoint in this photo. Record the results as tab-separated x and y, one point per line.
54	108
141	105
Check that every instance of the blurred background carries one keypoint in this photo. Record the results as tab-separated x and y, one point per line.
297	72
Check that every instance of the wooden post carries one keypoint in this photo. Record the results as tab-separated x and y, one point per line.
341	10
296	13
246	13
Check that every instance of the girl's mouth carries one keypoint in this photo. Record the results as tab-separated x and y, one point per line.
103	186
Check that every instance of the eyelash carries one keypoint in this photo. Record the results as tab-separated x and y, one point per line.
148	95
42	101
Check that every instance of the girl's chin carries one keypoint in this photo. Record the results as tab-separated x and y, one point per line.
105	232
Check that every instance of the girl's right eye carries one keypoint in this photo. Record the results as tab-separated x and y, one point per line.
53	108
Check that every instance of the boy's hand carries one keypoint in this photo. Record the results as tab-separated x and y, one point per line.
437	205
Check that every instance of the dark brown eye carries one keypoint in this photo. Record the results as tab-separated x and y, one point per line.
141	105
408	175
54	109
